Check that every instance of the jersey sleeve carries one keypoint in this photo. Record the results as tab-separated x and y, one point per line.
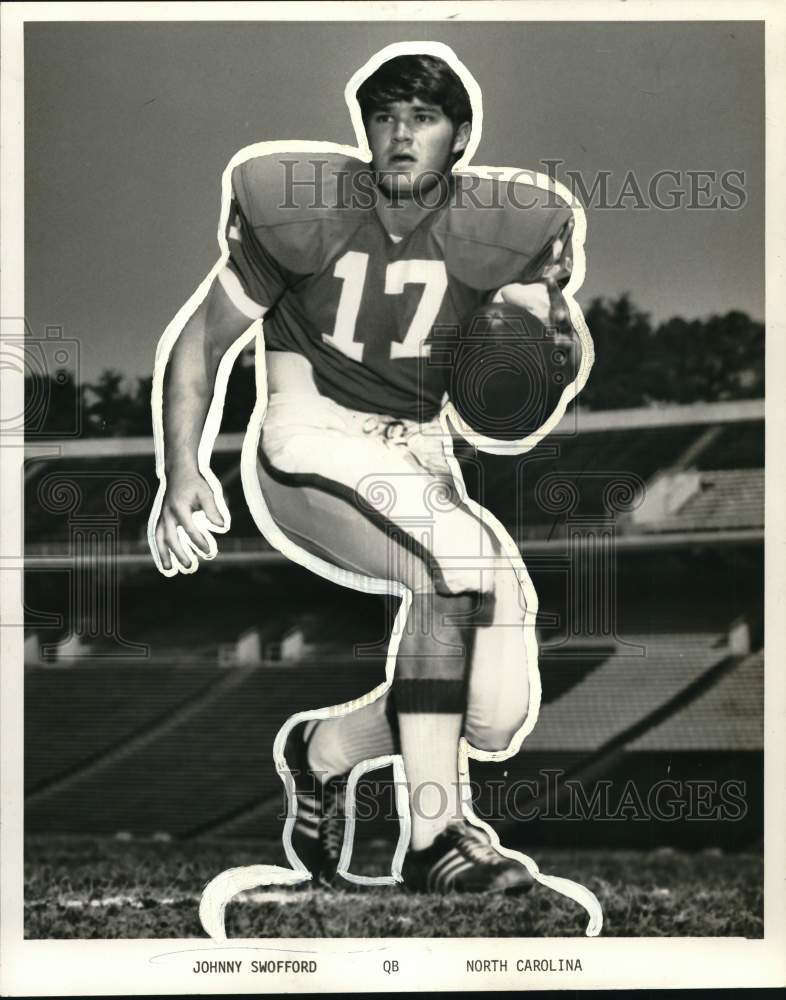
502	232
252	278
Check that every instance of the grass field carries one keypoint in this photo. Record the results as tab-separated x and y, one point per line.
89	888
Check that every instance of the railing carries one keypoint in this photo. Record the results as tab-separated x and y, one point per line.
257	550
576	421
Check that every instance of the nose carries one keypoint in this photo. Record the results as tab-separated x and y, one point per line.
401	131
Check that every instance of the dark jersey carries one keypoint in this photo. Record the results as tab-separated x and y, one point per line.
307	243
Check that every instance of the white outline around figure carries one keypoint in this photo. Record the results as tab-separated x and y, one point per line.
220	891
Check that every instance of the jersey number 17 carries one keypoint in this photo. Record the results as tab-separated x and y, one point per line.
351	268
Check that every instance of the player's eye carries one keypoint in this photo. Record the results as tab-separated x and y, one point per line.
381	117
423	117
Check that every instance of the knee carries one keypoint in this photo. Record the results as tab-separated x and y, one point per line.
458	581
441	616
434	644
474	589
495	717
498	736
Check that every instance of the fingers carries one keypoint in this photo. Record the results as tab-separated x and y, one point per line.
533	297
174	555
188	516
559	314
161	550
177	527
206	529
186	522
212	513
177	548
559	268
562	240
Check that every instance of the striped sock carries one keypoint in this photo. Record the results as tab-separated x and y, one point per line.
338	744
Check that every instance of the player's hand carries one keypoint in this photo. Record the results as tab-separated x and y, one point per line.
188	516
559	268
544	299
533	297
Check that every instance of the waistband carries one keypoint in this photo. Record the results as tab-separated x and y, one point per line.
312	406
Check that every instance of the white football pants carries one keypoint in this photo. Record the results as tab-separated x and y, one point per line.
374	496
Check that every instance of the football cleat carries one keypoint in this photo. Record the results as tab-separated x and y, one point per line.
462	859
318	830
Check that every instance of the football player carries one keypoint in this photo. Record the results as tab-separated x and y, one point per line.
353	266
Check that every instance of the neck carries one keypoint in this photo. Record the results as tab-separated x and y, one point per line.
401	215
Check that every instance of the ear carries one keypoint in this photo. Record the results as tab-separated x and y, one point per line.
461	138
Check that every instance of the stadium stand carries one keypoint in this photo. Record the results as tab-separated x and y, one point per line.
667	688
46	483
624	444
729	498
621	691
105	707
740	446
727	714
210	755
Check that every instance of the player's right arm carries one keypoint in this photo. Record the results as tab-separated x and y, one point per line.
250	280
189	384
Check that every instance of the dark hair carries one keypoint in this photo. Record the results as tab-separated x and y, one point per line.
422	77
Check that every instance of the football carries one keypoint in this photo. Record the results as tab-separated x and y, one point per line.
508	371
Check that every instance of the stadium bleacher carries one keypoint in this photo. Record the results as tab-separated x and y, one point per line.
726	715
668	688
590	460
106	707
624	690
728	498
739	446
192	763
47	484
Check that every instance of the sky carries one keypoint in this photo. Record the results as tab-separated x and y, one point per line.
128	127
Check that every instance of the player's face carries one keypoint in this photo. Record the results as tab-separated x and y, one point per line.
412	145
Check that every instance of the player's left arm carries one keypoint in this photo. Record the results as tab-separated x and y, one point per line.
543	297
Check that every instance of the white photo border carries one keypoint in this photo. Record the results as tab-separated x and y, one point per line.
143	967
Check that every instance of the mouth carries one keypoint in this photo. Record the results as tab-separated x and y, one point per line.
402	158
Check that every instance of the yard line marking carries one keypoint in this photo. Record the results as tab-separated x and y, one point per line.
281	897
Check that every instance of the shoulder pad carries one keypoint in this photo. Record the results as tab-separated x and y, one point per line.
300	205
496	231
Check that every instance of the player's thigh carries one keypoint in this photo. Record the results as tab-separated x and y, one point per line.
329	522
368	504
